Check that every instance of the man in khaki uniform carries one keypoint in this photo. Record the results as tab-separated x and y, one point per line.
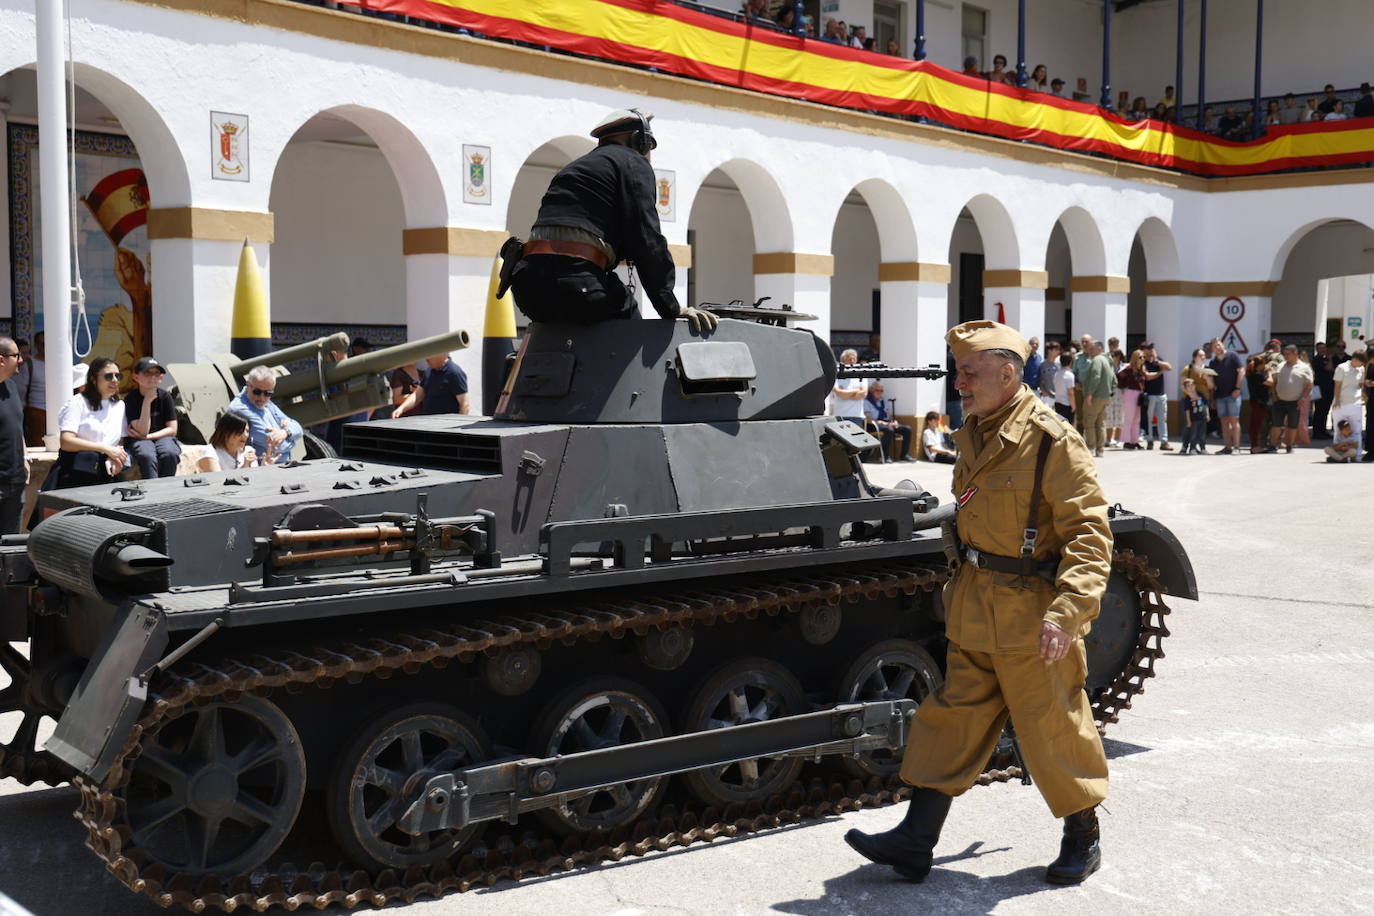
1035	562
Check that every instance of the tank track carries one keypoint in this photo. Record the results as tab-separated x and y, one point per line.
317	886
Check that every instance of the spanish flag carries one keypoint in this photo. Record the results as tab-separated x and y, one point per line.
119	202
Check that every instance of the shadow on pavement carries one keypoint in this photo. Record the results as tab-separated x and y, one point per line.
878	889
45	866
1115	749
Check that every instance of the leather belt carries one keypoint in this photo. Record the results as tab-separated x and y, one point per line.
568	249
1045	569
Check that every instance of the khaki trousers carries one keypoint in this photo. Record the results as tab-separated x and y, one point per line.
956	728
1094	423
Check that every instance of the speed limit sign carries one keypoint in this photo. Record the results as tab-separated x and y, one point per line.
1232	310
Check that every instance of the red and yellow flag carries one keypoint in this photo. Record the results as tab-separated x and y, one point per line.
673	39
119	202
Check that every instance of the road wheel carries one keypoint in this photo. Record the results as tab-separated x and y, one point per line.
744	691
894	669
607	712
384	771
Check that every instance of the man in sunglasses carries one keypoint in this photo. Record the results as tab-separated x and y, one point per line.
14	467
270	431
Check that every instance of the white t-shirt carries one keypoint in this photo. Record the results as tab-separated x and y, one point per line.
847	407
104	425
228	462
932	440
1351	379
1063	384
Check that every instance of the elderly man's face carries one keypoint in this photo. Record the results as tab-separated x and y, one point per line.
259	393
877	391
849	358
984	383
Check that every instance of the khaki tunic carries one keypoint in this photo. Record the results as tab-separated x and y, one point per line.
994	619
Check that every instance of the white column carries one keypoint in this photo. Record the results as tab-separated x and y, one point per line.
1024	308
1103	315
6	298
194	284
445	292
1164	327
53	205
807	293
914	326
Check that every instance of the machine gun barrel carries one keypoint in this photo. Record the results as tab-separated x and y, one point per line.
285	355
878	371
374	363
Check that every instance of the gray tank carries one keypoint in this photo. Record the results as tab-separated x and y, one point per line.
654	596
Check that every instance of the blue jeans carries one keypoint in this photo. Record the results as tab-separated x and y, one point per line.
1157	417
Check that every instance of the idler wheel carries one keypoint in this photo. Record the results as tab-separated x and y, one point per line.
606	712
743	691
216	790
384	771
895	669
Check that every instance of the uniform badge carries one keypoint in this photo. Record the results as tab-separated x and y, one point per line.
965	496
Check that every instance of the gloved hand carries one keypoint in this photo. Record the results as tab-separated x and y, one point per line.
700	319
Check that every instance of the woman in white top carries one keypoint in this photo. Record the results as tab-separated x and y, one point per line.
91	427
230	444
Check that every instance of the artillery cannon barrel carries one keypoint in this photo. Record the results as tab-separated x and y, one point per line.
285	355
374	363
862	371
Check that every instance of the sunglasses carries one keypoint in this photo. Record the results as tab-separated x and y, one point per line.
263	392
110	376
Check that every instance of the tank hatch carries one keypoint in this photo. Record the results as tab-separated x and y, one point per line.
660	372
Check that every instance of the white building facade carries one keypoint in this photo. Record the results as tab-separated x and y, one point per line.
358	193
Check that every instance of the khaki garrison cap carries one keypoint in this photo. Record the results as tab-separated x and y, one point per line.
973	336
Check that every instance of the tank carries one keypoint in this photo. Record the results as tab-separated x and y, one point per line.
653	600
325	390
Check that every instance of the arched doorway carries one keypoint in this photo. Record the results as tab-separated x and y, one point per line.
126	163
344	190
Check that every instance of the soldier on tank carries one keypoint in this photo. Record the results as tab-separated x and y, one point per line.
1034	552
598	211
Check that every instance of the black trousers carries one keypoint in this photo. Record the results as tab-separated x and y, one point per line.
888	435
11	506
1321	410
555	287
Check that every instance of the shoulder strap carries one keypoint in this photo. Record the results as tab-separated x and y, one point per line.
1029	534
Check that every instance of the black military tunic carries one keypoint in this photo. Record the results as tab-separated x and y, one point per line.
609	194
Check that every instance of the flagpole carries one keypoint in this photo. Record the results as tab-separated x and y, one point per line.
53	209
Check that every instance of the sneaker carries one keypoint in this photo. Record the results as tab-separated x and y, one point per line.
1330	460
1225	451
1288	449
1098	453
1165	447
1150	446
1271	450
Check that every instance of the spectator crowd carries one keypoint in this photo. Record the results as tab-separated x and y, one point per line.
1272	402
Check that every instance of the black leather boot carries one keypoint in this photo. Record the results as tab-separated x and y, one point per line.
908	846
1080	853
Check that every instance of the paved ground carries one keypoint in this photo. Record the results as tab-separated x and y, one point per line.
1240	780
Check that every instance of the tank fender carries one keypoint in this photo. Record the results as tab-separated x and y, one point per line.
1148	538
110	696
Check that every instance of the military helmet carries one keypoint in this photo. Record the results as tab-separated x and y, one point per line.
628	120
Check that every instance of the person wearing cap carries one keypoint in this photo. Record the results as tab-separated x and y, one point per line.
1035	550
599	210
151	436
1057	87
